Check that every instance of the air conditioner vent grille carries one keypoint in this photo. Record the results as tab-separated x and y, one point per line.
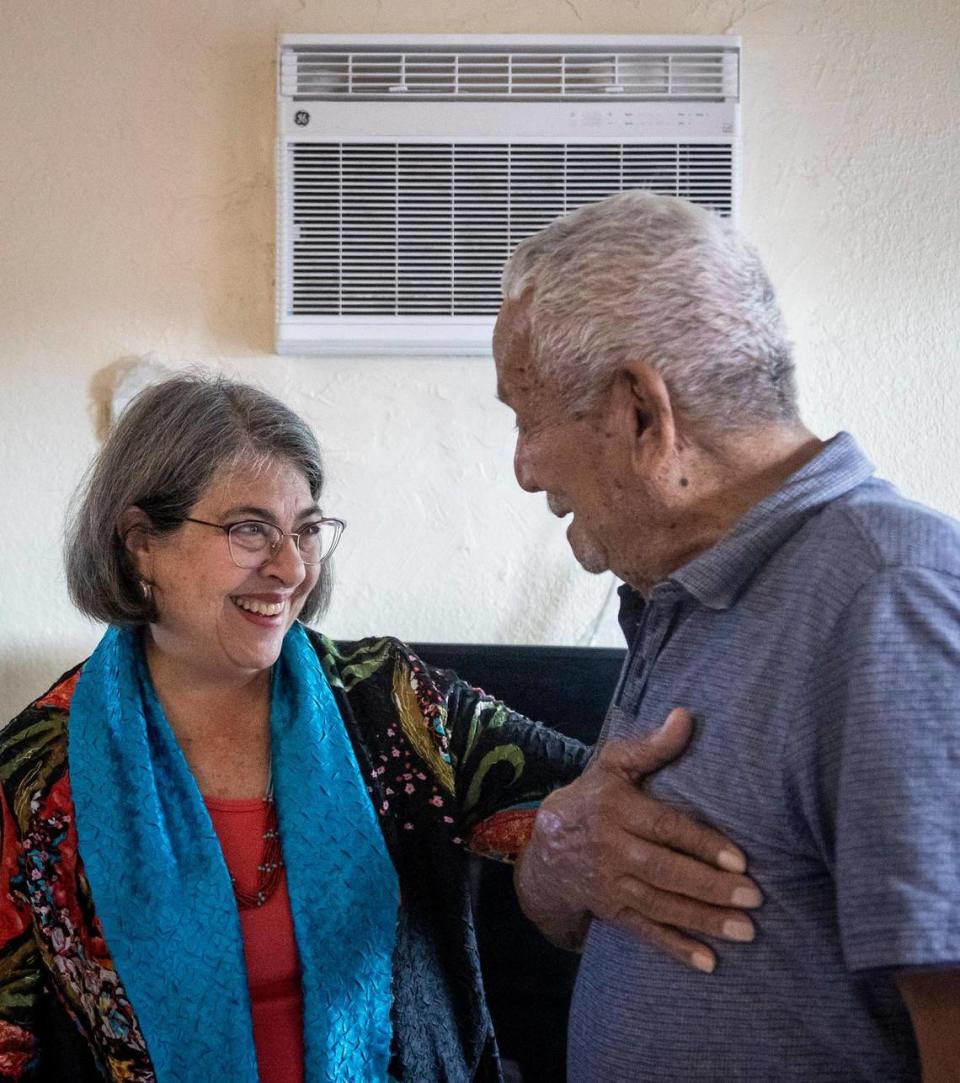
317	73
412	229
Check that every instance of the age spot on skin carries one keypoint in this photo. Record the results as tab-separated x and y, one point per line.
684	482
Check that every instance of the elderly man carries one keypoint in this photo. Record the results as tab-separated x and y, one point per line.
810	618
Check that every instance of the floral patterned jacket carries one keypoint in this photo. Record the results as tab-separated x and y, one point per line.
448	769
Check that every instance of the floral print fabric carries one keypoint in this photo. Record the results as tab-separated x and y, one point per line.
447	769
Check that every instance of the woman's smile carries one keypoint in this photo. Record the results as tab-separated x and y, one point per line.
259	609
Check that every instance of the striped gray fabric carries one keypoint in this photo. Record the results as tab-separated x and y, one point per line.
818	645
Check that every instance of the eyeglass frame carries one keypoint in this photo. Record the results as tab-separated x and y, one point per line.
274	549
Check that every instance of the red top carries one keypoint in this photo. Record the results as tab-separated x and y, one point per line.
273	968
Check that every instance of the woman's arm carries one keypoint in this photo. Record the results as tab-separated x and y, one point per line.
593	835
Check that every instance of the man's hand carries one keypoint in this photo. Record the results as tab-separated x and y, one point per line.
603	848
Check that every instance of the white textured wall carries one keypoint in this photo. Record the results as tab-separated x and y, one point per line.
136	157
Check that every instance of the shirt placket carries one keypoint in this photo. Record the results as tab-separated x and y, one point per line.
656	625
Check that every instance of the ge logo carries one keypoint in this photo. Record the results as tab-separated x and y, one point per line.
301	118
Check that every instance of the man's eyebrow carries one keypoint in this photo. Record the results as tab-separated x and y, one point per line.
253	512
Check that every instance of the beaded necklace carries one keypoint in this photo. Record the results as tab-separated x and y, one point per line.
270	869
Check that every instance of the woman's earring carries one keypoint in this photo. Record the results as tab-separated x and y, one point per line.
146	589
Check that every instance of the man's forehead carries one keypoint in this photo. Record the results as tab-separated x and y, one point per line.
516	376
511	349
510	319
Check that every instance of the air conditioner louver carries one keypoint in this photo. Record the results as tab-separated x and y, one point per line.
311	72
409	170
406	229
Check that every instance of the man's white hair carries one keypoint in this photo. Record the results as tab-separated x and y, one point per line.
640	277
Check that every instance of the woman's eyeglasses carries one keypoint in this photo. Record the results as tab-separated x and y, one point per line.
252	542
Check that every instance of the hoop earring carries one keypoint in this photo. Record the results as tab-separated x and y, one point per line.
146	589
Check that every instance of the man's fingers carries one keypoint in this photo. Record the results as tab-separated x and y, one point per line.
677	874
684	949
668	827
636	757
633	758
680	912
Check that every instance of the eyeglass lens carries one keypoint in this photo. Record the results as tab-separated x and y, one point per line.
251	543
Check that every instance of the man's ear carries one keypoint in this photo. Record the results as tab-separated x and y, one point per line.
135	530
646	398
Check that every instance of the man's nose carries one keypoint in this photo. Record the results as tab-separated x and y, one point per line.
523	467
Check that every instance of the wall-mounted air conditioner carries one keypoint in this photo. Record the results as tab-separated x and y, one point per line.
409	168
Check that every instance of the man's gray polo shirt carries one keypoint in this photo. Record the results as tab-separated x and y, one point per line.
818	646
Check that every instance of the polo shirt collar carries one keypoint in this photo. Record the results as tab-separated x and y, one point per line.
716	577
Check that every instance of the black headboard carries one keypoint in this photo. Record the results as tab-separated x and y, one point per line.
568	688
529	981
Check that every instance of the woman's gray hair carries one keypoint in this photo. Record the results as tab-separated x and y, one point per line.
160	456
656	279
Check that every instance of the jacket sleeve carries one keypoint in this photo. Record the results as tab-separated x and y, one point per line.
504	765
20	976
493	765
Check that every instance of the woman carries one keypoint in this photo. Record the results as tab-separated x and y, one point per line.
230	848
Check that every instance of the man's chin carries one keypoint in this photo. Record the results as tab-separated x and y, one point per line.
590	557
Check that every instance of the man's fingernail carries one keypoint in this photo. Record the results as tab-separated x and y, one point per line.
746	896
738	930
702	961
731	861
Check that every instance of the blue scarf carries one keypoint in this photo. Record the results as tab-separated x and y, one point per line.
163	893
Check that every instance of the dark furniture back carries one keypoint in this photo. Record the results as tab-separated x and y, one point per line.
528	980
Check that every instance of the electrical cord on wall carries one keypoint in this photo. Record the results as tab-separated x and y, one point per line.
588	638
